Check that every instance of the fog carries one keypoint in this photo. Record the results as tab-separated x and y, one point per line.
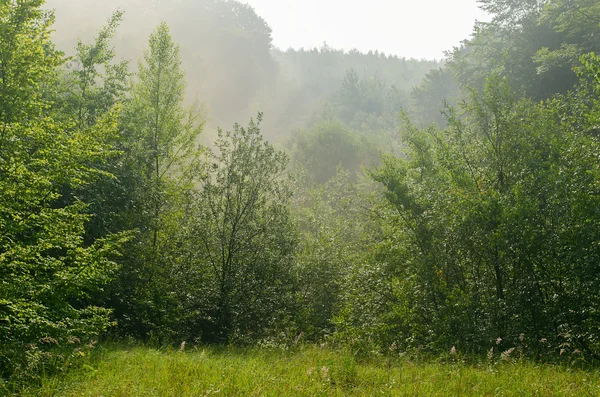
413	29
299	183
237	65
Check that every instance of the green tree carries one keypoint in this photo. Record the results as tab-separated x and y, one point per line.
92	82
534	43
352	94
243	236
162	155
438	89
320	150
334	239
47	273
89	86
488	227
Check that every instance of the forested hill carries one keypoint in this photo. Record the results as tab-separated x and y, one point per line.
458	219
231	65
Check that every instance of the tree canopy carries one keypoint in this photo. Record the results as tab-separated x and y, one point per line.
382	205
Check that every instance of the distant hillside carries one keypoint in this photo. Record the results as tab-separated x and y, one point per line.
232	67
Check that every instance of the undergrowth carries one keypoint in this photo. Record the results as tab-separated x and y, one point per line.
129	370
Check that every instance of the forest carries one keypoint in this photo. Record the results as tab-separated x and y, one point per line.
170	178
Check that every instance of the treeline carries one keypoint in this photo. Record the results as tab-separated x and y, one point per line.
113	218
489	228
535	44
234	72
477	233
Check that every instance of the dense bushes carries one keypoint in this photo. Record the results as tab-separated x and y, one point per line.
48	274
112	217
494	229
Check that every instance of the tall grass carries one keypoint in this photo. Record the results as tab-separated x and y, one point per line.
307	371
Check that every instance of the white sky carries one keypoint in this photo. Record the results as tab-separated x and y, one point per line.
417	28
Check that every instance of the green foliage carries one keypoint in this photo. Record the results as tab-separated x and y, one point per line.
47	272
29	60
438	89
479	236
320	150
160	159
368	96
309	371
534	43
241	238
333	234
92	84
474	251
363	90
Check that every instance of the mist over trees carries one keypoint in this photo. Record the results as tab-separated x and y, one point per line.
366	201
232	69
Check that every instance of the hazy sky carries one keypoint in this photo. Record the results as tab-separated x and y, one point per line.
410	28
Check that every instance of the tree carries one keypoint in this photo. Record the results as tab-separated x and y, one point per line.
242	233
534	43
578	22
29	60
334	240
489	226
437	89
92	84
352	94
89	86
161	155
321	149
47	272
163	133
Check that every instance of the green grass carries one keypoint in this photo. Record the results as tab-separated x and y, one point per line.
310	371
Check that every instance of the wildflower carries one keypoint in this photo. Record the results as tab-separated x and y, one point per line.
298	338
544	340
521	338
71	340
498	341
453	351
182	347
49	340
490	354
505	356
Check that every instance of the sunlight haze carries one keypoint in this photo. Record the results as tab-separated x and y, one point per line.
419	29
299	198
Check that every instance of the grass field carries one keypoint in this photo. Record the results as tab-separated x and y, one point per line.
309	371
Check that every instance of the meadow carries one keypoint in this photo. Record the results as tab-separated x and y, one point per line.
119	370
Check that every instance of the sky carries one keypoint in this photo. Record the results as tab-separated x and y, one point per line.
413	29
